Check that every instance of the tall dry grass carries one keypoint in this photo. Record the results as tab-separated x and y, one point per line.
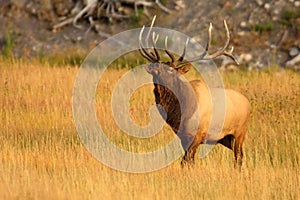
41	156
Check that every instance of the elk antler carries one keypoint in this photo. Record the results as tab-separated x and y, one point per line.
149	56
223	51
154	57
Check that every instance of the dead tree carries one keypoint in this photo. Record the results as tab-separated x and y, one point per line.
112	9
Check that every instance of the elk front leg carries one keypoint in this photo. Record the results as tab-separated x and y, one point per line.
190	144
186	141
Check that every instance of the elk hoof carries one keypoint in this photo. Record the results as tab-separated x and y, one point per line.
187	163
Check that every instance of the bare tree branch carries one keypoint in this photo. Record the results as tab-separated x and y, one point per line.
93	9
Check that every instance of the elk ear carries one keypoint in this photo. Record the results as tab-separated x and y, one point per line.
183	68
148	69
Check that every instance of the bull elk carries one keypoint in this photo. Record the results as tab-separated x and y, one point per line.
175	96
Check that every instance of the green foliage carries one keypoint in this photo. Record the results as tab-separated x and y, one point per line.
264	27
8	46
289	16
164	2
135	18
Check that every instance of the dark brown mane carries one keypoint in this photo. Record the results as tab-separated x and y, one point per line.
167	99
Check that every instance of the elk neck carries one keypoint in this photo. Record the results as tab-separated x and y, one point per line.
172	103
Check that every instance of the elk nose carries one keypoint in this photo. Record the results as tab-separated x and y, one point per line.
155	71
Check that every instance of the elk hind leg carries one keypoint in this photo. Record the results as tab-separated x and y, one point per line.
238	151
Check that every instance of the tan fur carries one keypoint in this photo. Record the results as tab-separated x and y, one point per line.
236	118
237	109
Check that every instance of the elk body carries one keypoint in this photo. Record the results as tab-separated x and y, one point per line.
187	106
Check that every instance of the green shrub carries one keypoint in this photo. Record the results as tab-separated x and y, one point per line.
8	46
264	27
288	17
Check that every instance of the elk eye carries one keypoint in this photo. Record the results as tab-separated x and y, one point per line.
170	70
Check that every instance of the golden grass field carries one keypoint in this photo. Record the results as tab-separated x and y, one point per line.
41	156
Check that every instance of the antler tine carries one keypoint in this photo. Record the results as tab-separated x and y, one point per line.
222	51
150	29
209	37
154	40
152	57
230	55
167	51
142	49
227	34
184	50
